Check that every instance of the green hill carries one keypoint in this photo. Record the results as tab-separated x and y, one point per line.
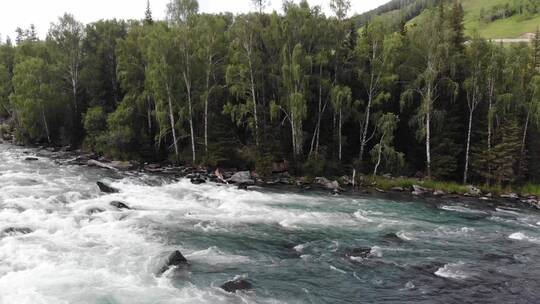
511	27
490	18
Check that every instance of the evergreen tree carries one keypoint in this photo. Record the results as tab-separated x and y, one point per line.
148	14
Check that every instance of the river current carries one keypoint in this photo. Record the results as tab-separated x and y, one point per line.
61	242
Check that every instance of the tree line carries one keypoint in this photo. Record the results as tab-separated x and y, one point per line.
321	92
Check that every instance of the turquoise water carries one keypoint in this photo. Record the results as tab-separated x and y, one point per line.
293	247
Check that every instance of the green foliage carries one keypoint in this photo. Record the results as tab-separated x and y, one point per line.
383	154
36	101
95	125
501	163
99	66
121	138
5	91
246	91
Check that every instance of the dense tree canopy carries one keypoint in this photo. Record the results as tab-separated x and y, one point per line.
324	93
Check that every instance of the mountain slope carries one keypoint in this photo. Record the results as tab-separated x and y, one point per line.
490	18
511	27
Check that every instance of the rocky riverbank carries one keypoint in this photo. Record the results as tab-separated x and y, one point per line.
280	177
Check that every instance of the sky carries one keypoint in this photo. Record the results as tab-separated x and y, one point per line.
22	13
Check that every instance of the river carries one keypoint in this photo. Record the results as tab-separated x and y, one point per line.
293	247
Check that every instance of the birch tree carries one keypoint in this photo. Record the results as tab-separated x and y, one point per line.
67	36
429	48
293	104
377	52
163	78
242	73
181	14
211	45
341	102
321	60
383	153
475	86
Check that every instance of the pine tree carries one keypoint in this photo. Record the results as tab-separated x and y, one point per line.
148	14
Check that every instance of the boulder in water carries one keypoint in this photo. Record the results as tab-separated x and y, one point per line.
94	210
198	180
392	237
16	230
358	253
236	284
242	177
175	259
242	187
428	269
106	188
119	205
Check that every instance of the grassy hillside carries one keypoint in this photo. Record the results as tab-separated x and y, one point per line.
510	27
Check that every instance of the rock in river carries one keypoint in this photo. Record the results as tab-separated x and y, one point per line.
119	205
198	180
15	230
174	259
358	253
392	237
236	284
106	188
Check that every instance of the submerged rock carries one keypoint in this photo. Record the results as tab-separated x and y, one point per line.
392	237
236	284
16	230
198	180
428	269
358	253
94	210
119	205
175	259
106	188
242	187
31	159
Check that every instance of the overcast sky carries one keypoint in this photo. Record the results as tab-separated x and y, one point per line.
22	13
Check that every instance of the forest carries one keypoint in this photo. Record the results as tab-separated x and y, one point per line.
324	93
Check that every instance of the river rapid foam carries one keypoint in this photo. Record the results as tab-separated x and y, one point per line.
62	242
